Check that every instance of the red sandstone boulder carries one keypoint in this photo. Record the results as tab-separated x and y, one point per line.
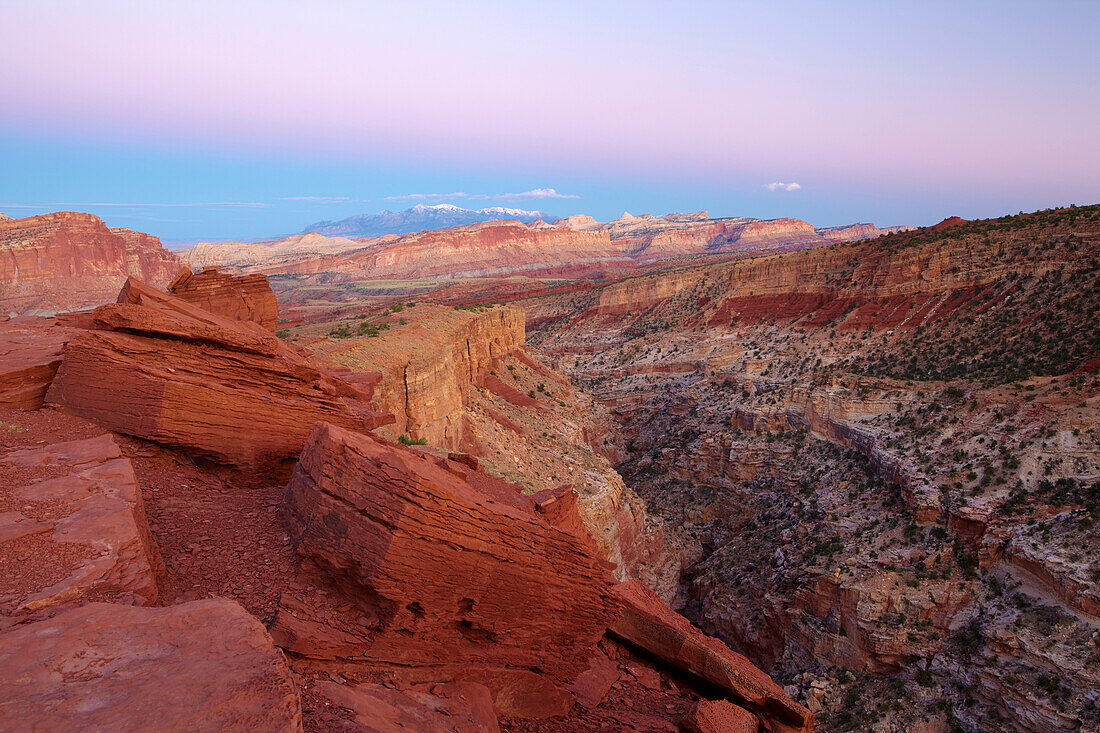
651	625
159	368
453	707
201	666
246	298
30	353
72	527
441	569
720	716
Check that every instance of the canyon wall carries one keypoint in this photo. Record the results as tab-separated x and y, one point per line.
460	379
575	247
67	261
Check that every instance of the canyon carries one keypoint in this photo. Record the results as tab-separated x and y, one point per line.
174	464
881	459
655	474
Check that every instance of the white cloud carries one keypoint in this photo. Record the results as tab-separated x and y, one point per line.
778	186
535	193
422	196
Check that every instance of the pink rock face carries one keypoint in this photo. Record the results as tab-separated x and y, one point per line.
200	666
648	623
159	368
67	261
453	707
76	509
30	353
245	298
441	569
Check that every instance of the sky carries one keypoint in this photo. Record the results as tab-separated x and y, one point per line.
232	120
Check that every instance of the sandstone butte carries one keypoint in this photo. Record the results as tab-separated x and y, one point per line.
157	367
575	247
66	261
247	298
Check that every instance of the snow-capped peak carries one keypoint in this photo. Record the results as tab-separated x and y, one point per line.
505	211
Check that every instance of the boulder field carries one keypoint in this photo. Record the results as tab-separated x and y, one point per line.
425	593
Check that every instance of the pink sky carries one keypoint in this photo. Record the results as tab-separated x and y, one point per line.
986	97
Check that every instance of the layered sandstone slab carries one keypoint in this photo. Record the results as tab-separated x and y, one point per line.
443	571
30	353
244	298
67	261
648	623
159	368
200	666
72	528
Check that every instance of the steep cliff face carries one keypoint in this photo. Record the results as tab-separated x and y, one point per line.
460	379
902	281
638	294
67	261
430	365
855	232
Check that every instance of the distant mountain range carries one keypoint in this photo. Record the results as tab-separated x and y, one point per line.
416	219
